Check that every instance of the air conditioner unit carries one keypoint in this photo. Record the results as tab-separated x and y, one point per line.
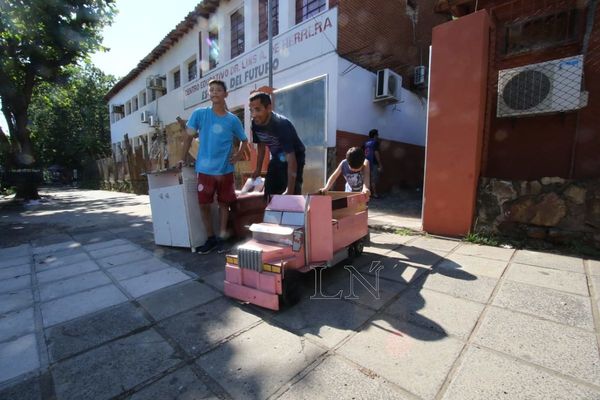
154	122
155	83
145	117
547	87
118	109
419	76
388	86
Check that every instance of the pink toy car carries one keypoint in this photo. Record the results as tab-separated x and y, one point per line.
297	234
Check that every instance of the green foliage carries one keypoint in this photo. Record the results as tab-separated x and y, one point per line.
69	121
480	238
404	232
38	40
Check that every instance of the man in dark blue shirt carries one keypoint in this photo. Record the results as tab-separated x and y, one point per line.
284	175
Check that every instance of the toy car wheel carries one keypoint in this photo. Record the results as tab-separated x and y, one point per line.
359	247
291	288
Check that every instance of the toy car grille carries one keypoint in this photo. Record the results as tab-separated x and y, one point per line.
250	259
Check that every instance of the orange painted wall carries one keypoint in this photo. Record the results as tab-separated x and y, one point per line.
457	101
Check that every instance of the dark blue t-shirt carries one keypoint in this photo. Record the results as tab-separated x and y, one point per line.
281	137
371	146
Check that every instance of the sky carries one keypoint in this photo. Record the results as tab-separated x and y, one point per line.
138	27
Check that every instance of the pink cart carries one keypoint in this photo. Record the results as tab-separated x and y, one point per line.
297	233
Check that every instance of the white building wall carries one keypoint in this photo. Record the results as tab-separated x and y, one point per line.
357	113
350	88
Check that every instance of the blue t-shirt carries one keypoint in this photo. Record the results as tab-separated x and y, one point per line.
354	180
215	134
371	146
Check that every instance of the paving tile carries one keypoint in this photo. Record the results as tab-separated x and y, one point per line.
177	298
16	324
51	261
79	304
15	284
382	244
28	389
14	262
116	367
474	265
182	384
106	244
568	350
215	280
153	281
15	252
431	243
112	250
486	375
18	356
124	258
202	327
594	267
461	284
56	247
15	300
550	304
56	289
95	236
137	268
15	272
491	252
66	271
417	359
416	256
258	362
595	285
549	260
437	311
336	379
549	278
394	270
84	333
327	321
373	292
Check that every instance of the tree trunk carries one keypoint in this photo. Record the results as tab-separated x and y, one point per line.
25	177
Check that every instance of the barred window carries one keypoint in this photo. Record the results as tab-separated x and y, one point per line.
541	32
176	79
192	70
237	33
263	33
306	9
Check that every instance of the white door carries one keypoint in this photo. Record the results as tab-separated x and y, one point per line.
160	218
175	209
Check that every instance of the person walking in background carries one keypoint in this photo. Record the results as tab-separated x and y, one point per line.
284	174
371	148
216	128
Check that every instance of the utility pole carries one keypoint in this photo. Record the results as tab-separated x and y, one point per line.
270	36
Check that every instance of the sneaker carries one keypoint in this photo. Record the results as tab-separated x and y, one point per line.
222	246
208	246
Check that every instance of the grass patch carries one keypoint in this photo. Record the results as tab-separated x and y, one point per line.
480	238
404	232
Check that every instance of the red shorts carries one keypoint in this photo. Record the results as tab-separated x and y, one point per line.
221	184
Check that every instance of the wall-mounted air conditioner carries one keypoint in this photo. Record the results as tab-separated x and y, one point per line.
419	75
118	109
547	87
156	82
145	117
153	121
388	86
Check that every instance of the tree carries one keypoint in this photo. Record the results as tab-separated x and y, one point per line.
38	39
69	121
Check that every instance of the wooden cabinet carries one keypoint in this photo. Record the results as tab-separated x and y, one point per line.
176	214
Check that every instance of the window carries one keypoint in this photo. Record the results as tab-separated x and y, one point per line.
128	108
541	32
134	102
176	79
237	33
306	9
213	49
143	96
192	70
152	95
263	33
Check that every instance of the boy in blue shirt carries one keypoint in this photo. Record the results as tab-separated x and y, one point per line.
216	127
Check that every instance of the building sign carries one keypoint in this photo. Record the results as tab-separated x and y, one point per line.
311	39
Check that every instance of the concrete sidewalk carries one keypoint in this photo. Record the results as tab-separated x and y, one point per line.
90	308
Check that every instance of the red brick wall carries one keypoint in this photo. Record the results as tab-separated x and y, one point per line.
403	163
379	34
